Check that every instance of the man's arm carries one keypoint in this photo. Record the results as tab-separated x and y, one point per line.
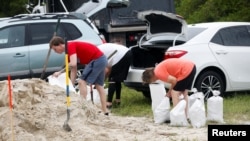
172	80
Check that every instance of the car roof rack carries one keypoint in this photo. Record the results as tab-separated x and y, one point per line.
39	16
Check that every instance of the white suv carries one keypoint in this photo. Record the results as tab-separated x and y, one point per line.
24	42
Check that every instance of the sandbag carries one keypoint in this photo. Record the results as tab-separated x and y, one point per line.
61	82
96	96
215	108
162	111
178	116
192	98
157	93
197	113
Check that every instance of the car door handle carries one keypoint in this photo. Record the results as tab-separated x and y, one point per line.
221	52
19	55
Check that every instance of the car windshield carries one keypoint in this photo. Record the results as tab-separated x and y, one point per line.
194	31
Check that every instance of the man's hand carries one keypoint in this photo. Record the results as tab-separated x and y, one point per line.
169	94
56	74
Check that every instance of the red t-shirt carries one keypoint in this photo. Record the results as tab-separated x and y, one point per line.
85	52
179	68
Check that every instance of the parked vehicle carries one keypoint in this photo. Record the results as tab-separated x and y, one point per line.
115	19
220	51
24	42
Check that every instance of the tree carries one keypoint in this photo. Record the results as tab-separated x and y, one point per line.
12	7
195	11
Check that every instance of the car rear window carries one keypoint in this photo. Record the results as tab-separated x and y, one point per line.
194	31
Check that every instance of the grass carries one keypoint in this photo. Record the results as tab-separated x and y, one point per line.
133	103
236	107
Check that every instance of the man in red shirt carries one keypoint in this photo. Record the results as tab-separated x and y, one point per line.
95	63
178	72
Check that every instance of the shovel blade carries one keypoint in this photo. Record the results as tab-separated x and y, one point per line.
66	126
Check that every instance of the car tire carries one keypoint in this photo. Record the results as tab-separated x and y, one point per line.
209	81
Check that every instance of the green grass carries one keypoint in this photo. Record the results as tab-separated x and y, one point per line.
236	107
133	103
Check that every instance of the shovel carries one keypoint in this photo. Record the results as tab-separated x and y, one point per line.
47	57
66	126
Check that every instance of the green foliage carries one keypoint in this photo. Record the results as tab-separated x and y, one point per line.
195	11
12	7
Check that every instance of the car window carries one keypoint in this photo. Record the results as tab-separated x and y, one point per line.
71	30
233	36
42	33
194	31
12	36
89	34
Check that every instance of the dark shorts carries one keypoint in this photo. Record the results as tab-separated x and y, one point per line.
186	83
94	72
119	71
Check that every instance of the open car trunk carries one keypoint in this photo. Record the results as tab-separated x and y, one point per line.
164	30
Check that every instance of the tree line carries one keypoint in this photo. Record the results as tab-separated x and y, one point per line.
193	11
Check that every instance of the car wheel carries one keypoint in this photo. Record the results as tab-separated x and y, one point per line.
208	82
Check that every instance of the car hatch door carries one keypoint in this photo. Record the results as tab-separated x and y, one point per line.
161	23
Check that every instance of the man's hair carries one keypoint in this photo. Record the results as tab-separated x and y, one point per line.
147	75
55	41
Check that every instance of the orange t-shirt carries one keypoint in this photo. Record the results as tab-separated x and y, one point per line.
176	67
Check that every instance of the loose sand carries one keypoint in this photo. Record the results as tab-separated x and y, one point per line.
40	111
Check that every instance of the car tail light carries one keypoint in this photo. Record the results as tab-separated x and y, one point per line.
174	54
133	38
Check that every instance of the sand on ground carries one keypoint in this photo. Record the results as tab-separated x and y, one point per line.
39	112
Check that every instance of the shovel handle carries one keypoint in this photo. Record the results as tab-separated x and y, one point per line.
47	57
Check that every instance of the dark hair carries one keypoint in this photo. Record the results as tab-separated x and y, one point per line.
147	75
55	41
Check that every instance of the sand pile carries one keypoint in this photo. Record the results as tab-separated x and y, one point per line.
40	111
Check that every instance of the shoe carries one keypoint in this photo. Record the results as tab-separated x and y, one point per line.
118	103
109	107
106	114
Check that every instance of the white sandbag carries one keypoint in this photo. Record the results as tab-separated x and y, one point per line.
215	108
96	96
194	96
177	114
162	111
157	92
197	113
61	82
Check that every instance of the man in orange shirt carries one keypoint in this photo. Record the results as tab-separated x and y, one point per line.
178	72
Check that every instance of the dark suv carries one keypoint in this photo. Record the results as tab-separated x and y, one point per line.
24	42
